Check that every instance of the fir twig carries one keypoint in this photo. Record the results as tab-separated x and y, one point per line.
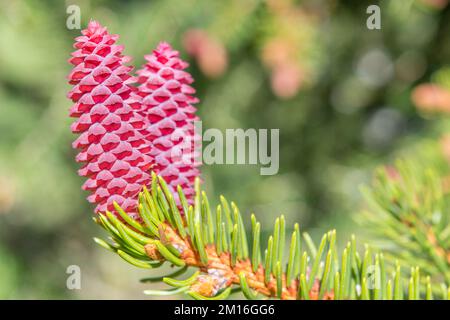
188	236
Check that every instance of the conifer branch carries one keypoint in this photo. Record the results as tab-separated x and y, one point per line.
190	237
409	206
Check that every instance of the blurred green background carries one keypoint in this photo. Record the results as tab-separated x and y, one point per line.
339	93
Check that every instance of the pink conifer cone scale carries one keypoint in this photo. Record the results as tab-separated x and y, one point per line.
167	99
111	142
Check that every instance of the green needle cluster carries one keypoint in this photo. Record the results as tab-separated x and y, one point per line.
290	267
